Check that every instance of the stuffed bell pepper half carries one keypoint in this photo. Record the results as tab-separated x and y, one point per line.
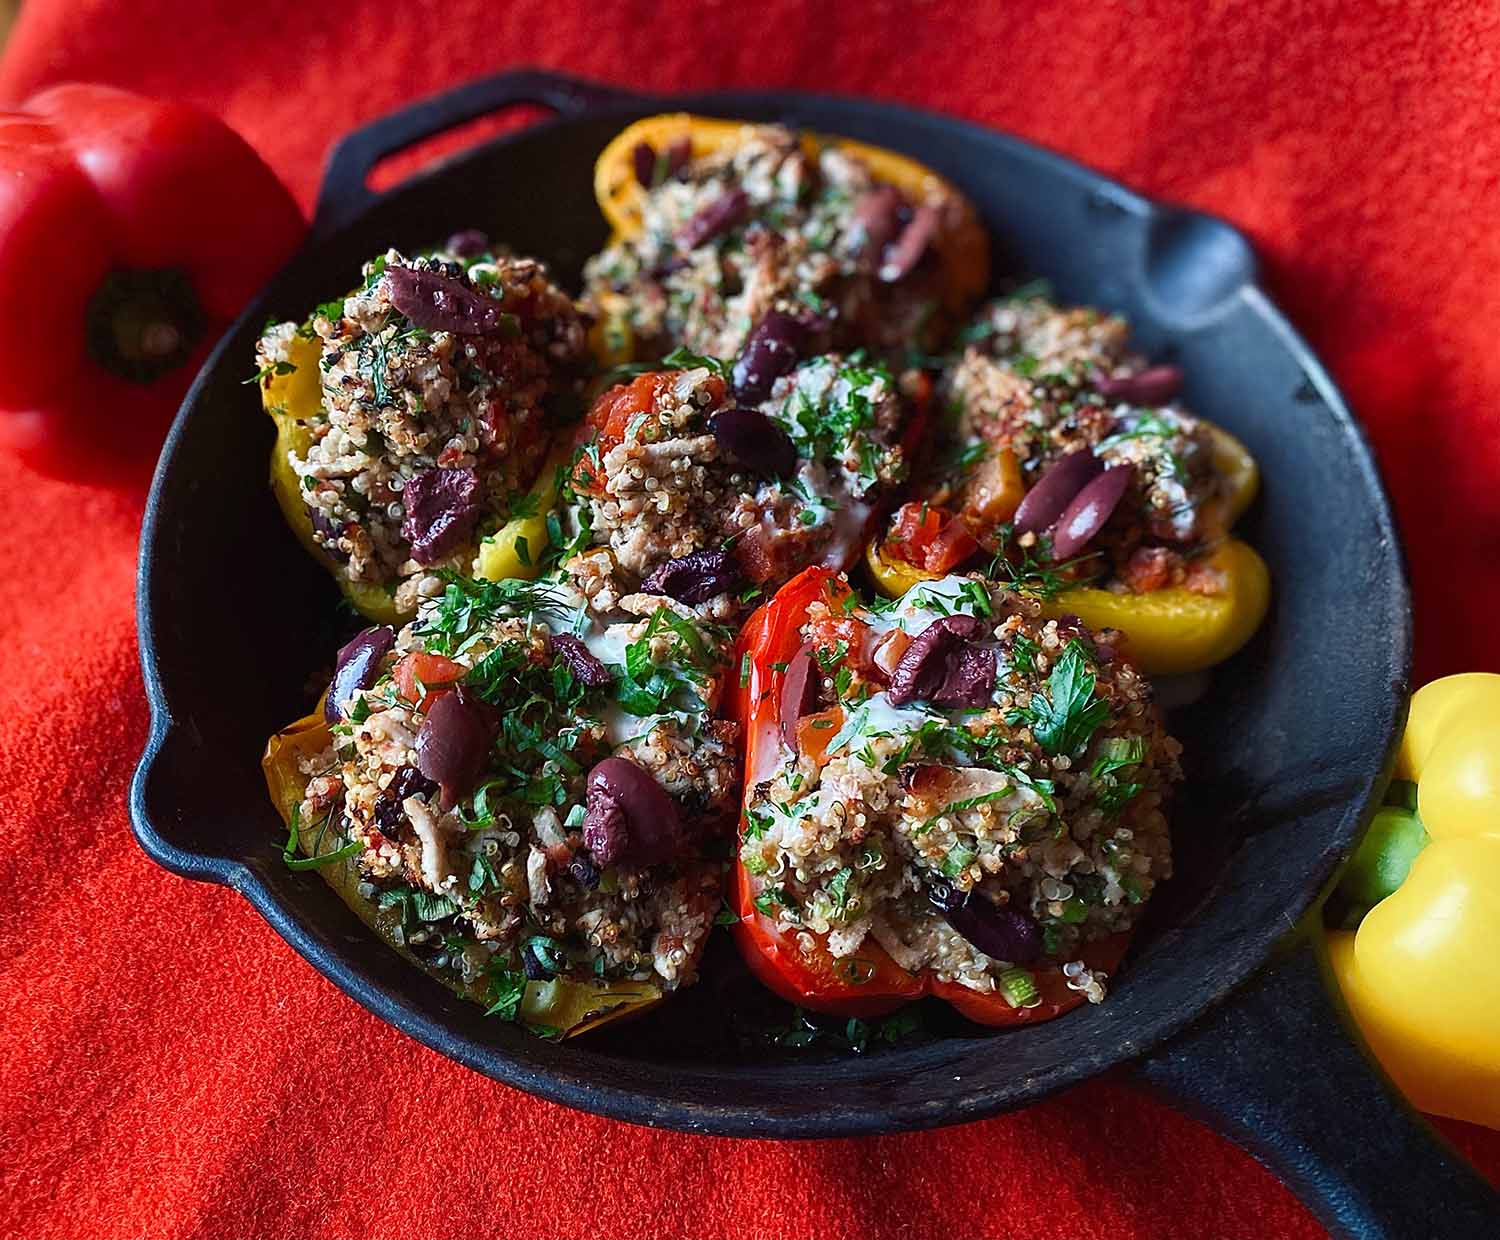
715	483
413	415
1073	469
716	223
523	794
946	794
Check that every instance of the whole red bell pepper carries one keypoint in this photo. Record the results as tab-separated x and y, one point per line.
132	232
868	983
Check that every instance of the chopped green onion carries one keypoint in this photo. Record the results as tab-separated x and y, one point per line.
1019	988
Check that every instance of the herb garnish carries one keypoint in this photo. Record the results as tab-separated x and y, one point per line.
1063	718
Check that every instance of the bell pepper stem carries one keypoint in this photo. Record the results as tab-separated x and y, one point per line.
142	324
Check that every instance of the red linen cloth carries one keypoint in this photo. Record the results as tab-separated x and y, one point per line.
172	1069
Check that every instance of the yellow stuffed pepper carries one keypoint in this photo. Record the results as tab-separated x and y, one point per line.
558	1006
715	223
1171	628
413	415
1420	971
473	786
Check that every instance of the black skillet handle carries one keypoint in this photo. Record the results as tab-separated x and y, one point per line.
1279	1070
344	192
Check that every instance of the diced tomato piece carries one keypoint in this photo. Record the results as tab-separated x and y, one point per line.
826	632
815	732
1149	568
930	538
420	671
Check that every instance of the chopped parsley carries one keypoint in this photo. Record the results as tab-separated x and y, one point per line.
1063	718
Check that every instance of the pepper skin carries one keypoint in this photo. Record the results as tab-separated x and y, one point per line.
868	983
1169	631
134	232
562	1004
1420	974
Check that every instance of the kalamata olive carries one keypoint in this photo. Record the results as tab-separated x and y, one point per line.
585	873
629	816
467	243
907	250
722	214
751	441
646	162
1090	509
924	666
1000	933
678	155
442	508
445	304
325	525
771	350
970	680
1055	489
643	158
357	667
1153	386
799	690
877	212
580	660
389	811
452	745
696	577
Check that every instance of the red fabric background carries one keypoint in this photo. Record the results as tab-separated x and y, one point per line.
172	1069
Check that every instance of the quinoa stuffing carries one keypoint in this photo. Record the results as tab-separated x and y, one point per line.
775	222
1009	786
532	785
441	378
534	788
680	489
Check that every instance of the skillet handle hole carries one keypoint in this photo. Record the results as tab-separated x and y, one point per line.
406	162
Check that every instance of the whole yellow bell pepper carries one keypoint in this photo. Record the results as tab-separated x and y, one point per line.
1421	974
1169	631
293	397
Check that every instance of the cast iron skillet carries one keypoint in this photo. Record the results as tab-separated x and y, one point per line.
1222	1006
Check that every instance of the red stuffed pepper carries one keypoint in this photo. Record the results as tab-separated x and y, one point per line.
946	794
135	230
716	483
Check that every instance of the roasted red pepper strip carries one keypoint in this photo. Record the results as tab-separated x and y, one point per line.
134	231
869	983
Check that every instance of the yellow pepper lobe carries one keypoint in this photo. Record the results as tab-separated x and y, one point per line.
1430	949
1431	1081
1435	705
1459	793
1176	630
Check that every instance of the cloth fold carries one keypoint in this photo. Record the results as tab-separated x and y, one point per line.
173	1069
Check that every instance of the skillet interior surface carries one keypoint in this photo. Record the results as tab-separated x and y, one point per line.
1283	754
